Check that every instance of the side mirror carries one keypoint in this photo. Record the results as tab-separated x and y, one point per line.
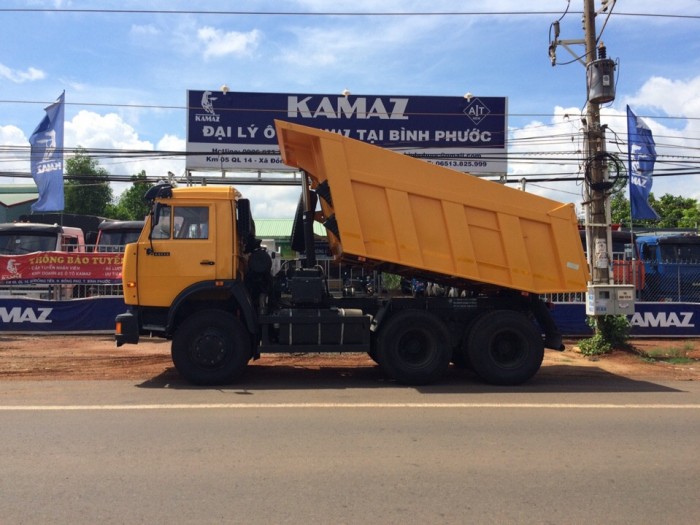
155	218
155	215
245	224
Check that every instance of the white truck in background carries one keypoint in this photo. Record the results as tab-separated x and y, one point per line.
21	238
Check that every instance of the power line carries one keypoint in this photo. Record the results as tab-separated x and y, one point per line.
322	13
242	110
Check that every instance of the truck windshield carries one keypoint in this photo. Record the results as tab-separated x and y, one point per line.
114	241
14	244
680	252
187	222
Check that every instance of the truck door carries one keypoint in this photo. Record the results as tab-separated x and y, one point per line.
181	252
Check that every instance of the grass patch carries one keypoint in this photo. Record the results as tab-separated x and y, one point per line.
610	332
671	355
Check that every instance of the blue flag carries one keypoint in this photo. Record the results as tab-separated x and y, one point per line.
641	152
47	158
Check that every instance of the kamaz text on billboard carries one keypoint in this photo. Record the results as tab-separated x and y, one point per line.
235	131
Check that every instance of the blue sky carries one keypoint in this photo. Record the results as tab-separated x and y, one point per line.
126	74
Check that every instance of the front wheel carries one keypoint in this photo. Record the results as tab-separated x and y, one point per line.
505	347
211	347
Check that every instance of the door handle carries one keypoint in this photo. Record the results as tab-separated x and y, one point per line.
206	262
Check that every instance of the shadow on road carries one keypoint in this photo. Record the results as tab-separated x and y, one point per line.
553	378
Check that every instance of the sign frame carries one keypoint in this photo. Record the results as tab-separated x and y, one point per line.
233	131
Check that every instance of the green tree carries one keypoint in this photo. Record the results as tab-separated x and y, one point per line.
674	212
620	209
677	212
87	192
131	206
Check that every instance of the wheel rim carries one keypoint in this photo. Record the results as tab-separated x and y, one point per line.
508	349
415	348
209	350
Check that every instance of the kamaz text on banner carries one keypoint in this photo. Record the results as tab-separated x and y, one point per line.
235	131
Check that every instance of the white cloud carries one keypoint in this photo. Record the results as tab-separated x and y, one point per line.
673	97
272	202
218	43
540	150
14	154
171	143
91	130
12	136
15	75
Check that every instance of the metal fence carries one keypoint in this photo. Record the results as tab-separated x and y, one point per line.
60	292
665	281
673	281
656	281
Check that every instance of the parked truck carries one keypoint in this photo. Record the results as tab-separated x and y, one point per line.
198	275
113	236
22	238
19	238
672	266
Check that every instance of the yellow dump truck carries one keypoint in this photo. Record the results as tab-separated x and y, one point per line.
198	275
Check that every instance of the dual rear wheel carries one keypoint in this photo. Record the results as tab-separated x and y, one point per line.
502	347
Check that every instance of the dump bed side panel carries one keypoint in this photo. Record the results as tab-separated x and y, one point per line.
404	214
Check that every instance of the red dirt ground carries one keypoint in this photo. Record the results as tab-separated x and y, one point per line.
83	357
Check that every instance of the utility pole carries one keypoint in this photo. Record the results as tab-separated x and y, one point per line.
597	223
604	296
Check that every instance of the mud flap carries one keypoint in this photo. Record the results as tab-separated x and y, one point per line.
552	337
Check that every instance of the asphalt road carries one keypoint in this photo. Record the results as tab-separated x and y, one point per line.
304	448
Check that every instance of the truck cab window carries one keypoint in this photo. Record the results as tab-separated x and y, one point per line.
162	229
192	222
70	244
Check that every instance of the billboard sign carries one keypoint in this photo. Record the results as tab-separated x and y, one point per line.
61	267
235	131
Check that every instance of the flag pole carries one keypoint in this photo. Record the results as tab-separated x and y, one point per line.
629	190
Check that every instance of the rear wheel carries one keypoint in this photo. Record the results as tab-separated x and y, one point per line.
505	347
211	347
413	347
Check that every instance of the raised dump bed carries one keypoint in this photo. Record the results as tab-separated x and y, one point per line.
404	215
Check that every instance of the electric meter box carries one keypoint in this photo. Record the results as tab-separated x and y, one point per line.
610	299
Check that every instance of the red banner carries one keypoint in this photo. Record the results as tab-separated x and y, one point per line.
61	267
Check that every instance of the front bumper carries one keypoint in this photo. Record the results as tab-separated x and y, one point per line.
126	329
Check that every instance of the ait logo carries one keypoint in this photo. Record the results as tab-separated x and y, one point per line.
208	106
476	111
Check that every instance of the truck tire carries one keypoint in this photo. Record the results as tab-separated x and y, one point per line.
211	347
413	347
505	348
